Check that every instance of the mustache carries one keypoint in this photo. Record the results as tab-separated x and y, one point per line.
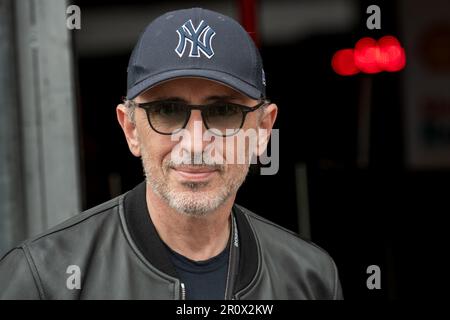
199	160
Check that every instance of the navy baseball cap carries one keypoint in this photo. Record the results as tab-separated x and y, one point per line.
196	43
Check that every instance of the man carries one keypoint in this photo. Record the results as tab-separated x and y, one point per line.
195	84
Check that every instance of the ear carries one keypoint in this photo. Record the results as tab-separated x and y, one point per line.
129	129
265	127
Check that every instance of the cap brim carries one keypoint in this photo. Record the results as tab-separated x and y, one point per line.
221	77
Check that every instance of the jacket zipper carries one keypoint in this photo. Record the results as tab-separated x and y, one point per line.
231	263
227	284
183	291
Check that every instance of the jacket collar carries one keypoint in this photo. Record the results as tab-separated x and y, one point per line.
147	240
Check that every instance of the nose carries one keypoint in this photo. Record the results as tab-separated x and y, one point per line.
192	140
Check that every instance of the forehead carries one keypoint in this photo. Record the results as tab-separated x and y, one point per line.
191	88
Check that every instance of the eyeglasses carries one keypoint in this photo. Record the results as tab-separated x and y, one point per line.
221	118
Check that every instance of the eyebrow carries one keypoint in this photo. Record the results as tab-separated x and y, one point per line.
223	98
213	98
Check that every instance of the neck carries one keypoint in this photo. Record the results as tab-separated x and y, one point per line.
197	238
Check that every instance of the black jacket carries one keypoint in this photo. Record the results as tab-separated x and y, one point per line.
120	256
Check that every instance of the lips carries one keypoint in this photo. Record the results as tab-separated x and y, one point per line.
195	173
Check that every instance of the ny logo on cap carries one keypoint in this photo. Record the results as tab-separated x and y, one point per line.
200	39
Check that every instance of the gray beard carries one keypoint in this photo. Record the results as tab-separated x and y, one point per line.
197	201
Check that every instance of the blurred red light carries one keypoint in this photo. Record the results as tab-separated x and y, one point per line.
388	41
367	54
370	56
343	63
392	55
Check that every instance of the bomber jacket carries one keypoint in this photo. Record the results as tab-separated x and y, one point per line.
118	254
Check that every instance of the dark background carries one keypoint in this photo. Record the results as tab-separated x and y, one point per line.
384	214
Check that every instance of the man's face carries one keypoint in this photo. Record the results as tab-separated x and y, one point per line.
207	181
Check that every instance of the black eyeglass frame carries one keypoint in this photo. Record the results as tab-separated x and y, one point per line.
147	106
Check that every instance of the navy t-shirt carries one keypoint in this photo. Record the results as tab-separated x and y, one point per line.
203	280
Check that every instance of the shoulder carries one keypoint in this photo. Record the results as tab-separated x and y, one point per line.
281	237
17	280
27	269
287	251
82	225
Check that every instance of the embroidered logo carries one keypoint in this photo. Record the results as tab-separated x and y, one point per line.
200	39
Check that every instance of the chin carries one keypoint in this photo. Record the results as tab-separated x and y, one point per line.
198	202
191	206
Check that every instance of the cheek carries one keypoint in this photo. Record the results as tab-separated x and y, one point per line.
237	150
159	152
251	121
234	172
156	148
250	131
